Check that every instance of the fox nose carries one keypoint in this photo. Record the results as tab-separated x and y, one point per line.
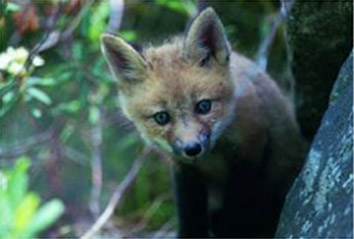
192	150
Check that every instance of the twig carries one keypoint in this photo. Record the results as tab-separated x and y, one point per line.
117	195
263	51
164	229
24	146
116	15
51	40
51	164
75	155
96	165
155	205
37	48
69	31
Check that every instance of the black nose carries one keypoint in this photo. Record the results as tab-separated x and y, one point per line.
192	149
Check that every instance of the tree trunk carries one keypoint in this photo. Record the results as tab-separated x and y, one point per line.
320	36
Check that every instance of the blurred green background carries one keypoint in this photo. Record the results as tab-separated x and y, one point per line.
60	117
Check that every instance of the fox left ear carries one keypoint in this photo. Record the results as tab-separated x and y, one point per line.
125	63
206	38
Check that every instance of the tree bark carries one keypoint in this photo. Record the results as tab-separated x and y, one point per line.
320	36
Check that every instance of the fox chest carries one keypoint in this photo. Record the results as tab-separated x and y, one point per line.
216	173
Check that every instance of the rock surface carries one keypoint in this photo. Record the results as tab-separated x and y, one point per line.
320	36
320	203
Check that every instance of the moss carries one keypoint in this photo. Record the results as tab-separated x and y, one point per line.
320	203
320	35
347	74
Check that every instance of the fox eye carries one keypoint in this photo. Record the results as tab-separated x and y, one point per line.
203	107
162	118
205	60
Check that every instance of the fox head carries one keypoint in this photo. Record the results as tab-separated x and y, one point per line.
180	94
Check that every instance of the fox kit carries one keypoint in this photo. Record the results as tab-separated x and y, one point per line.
232	137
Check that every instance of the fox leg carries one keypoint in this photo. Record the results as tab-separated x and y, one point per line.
191	199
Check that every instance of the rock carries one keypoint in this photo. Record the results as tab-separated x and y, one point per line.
320	203
320	36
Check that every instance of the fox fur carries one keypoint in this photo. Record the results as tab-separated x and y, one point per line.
248	144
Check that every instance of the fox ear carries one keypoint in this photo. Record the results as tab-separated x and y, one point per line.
125	63
206	38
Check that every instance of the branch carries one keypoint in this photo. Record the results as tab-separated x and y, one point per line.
116	15
117	195
154	206
24	146
163	231
263	51
37	48
70	30
74	155
96	165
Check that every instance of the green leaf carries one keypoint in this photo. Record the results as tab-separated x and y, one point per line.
18	182
39	95
61	72
78	51
37	113
98	21
187	7
71	107
94	115
32	81
99	70
7	86
8	97
6	221
24	214
45	217
21	216
128	35
7	107
66	133
12	7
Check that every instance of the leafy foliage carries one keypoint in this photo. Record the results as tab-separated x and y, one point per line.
22	215
58	105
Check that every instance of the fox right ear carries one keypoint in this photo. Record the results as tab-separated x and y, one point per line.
125	63
206	38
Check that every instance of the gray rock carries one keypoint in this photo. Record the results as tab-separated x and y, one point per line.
320	203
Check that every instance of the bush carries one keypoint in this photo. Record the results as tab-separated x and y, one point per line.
22	215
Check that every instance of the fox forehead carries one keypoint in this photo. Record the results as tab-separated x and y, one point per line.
167	54
171	82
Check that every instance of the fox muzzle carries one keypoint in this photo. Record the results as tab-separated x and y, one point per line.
192	149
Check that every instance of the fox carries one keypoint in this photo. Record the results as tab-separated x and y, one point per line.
229	132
